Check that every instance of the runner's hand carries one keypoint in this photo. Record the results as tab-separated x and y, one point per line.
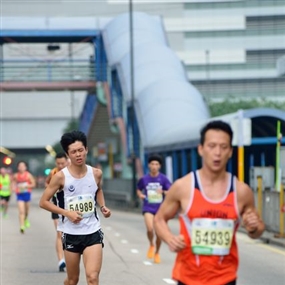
142	196
250	220
176	243
74	216
105	211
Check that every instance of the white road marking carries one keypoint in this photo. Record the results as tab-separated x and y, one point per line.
117	234
134	250
280	251
124	241
147	263
169	281
108	228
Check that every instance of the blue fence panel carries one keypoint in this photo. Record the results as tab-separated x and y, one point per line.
116	96
88	113
133	136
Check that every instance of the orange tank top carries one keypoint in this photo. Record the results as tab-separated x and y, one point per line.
54	171
209	227
22	182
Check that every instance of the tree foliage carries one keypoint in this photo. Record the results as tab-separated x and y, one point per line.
230	106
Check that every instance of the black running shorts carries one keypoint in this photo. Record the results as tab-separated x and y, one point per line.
77	243
5	198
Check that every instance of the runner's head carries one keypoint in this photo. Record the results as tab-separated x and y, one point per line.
154	163
75	146
61	160
22	166
216	126
69	138
215	146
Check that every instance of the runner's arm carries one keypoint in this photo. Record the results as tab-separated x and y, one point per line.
100	195
167	210
14	183
140	193
48	179
45	202
250	217
32	183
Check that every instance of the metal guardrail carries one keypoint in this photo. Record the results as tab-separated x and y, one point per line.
46	70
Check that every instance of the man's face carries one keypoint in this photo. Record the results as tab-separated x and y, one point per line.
22	167
216	150
77	153
154	166
61	163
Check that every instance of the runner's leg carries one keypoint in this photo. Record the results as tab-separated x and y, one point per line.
92	259
148	219
21	209
72	260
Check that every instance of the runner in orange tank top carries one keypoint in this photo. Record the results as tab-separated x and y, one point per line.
211	202
23	183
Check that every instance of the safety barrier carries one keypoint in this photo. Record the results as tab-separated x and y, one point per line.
271	207
46	70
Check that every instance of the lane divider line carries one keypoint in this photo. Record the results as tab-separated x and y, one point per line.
147	263
169	281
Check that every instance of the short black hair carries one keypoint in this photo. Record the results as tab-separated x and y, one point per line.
216	125
71	137
61	155
155	157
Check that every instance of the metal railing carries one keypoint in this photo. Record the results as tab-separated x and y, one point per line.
46	70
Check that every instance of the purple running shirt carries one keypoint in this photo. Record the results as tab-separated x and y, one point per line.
148	186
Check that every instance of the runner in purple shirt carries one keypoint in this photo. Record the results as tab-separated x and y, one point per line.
152	189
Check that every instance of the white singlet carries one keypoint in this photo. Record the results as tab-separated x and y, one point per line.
79	195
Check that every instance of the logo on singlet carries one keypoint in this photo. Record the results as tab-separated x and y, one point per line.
71	188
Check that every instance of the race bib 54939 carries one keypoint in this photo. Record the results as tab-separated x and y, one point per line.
211	236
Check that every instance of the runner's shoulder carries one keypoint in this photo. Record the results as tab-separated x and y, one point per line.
180	184
97	172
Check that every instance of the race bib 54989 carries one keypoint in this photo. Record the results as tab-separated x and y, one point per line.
82	203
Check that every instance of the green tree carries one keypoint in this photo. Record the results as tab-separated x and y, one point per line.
230	106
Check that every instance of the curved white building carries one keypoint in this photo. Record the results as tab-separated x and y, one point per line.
166	104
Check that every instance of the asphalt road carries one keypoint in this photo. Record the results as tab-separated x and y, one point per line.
31	258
